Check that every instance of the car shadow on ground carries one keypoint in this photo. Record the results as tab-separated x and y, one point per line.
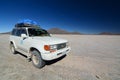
21	54
47	62
55	60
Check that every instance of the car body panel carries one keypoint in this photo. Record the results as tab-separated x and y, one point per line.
24	45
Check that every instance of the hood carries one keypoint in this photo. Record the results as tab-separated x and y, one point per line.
50	40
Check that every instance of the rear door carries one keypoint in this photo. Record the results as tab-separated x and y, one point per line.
17	37
22	42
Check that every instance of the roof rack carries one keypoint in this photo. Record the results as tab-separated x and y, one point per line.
26	23
20	25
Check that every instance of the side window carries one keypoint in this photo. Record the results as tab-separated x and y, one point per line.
18	32
13	31
23	31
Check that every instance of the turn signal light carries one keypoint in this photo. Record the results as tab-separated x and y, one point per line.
47	47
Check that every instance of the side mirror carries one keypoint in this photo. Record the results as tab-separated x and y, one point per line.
23	35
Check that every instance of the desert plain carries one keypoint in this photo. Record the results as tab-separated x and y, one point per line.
92	57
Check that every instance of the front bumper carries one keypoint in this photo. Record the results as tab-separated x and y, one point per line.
55	55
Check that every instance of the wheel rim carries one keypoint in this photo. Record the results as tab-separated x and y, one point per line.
35	59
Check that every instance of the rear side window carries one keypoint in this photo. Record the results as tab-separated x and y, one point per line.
13	32
18	32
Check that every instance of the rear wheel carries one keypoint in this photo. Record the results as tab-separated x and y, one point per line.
37	60
12	49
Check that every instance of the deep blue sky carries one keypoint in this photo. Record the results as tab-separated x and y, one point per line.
85	16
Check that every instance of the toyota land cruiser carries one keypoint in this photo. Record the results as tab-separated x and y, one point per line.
37	44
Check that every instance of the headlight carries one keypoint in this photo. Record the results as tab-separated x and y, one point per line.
52	47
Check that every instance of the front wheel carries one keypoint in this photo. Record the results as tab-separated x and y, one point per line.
37	60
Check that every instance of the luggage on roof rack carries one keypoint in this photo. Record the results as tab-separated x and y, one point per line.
27	23
19	25
23	25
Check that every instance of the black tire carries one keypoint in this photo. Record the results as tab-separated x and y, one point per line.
37	60
12	49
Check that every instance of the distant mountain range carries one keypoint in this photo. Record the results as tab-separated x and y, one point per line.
60	31
54	31
108	33
5	33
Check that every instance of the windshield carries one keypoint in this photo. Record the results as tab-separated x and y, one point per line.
37	32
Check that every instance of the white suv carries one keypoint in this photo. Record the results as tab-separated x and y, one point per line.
37	45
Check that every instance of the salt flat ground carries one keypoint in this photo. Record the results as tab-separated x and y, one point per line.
92	57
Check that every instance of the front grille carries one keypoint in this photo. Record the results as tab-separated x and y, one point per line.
61	46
